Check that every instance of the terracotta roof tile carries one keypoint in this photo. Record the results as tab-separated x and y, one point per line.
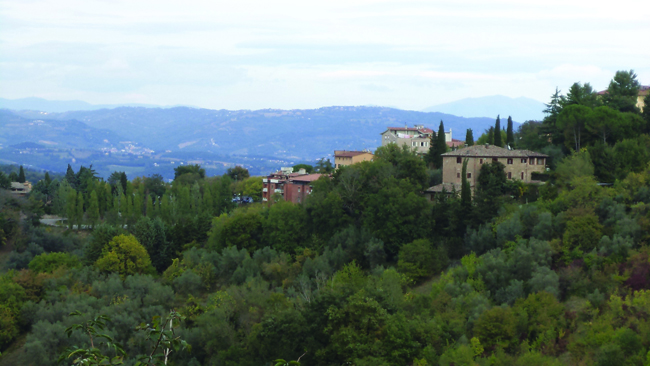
491	151
349	154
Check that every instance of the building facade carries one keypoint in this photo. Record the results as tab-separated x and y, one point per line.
519	165
417	137
285	184
345	158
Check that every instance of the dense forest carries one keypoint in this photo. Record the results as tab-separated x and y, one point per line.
366	271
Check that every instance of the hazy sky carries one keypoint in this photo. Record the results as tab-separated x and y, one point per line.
307	54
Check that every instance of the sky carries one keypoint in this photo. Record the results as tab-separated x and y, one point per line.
307	54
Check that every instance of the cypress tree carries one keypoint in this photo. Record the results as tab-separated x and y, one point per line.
465	194
93	209
71	207
71	177
469	137
497	133
123	180
490	136
21	175
13	177
430	157
510	135
441	146
47	179
79	214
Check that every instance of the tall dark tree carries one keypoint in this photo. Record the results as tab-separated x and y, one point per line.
5	182
21	175
497	132
71	177
441	145
469	137
549	125
582	95
431	156
623	91
465	193
510	134
490	136
490	186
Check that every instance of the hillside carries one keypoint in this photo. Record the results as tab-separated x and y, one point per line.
42	131
293	134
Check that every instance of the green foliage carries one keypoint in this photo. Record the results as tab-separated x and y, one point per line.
125	256
497	133
469	137
238	173
21	175
162	332
308	168
420	259
496	327
93	356
49	262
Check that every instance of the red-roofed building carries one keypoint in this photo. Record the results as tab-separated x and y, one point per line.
345	157
417	137
286	184
644	90
456	144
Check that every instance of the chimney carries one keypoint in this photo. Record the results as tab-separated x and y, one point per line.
487	146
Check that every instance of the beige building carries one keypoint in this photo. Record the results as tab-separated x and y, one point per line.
417	137
344	157
519	165
643	92
21	189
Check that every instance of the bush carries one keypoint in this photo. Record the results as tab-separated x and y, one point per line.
125	256
49	262
420	259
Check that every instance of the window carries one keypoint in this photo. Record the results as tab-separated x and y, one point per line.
509	175
459	160
299	189
469	175
414	144
523	160
480	161
522	175
457	175
509	161
532	161
494	160
540	161
422	144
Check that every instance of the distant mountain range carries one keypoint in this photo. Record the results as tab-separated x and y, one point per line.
521	109
44	105
146	140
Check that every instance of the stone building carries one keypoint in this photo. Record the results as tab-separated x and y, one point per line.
519	165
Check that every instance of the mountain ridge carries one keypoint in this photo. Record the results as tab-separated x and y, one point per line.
521	109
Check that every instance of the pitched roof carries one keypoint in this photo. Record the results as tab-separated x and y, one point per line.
306	178
349	154
491	151
448	187
455	142
425	130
